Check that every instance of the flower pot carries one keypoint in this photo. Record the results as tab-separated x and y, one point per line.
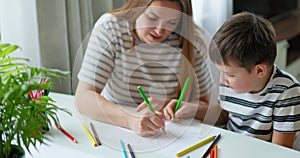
16	153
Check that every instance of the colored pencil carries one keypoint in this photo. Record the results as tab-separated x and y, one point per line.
193	147
66	133
212	145
146	99
131	151
215	149
123	149
89	135
95	134
182	94
148	103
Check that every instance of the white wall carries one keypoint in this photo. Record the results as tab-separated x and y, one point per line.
19	26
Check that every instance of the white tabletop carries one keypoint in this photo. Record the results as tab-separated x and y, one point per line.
179	136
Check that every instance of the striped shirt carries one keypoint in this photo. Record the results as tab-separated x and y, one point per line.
276	107
113	65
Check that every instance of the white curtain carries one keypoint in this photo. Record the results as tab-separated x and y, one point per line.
211	14
62	26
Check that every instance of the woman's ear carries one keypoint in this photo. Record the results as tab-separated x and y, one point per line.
261	70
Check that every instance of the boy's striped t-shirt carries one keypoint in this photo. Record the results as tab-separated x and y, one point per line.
113	65
276	107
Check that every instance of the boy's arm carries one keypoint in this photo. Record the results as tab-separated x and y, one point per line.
286	139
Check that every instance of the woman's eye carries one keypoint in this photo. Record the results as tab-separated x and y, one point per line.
172	23
152	18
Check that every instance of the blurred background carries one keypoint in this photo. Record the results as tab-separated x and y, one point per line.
54	33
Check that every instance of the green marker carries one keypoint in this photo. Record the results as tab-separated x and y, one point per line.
182	94
148	103
146	99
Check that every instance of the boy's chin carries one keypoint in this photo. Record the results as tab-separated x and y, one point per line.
239	91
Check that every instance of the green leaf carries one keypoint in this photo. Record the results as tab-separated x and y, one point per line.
8	60
10	66
24	114
3	46
8	50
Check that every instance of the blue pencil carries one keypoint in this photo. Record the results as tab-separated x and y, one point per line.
123	149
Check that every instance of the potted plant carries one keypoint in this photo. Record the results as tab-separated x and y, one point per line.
24	118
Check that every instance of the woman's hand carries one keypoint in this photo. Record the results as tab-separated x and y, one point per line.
146	123
157	104
186	110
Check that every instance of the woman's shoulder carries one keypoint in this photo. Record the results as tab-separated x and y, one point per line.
108	19
201	36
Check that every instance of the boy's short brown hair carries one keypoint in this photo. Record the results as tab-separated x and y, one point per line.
246	39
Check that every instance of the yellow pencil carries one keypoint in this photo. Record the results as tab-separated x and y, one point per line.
191	148
89	134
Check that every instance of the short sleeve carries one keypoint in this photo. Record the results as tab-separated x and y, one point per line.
286	114
98	60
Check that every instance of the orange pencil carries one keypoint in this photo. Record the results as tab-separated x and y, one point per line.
215	151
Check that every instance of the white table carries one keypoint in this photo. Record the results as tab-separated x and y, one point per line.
231	144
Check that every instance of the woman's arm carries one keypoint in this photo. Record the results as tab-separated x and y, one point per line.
90	103
286	139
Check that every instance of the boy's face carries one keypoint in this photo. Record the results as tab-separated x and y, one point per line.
239	79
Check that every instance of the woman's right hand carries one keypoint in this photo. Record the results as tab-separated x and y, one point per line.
146	123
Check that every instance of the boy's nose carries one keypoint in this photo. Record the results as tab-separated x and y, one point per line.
223	79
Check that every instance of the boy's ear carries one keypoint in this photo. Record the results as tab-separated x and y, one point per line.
261	70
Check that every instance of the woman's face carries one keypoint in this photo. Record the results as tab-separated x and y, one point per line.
158	21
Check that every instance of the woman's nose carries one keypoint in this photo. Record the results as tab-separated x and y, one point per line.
159	29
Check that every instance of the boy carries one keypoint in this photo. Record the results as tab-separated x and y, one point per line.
262	100
257	98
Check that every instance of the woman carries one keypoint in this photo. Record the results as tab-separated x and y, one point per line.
148	43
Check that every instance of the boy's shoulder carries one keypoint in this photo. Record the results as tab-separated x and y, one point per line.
282	81
284	77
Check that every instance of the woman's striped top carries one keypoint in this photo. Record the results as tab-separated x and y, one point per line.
113	65
276	107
